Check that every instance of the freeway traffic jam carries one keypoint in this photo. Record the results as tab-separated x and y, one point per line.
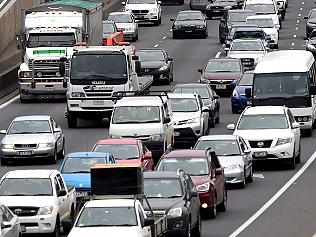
159	167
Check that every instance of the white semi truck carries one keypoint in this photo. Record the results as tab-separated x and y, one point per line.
49	32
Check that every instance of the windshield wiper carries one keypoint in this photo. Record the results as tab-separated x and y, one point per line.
41	194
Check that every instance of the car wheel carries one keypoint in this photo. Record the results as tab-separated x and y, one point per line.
213	209
196	232
223	205
209	17
56	232
243	183
217	118
221	40
72	120
276	46
136	38
4	161
298	157
61	154
53	159
250	176
211	121
168	80
314	123
234	111
159	21
205	34
292	161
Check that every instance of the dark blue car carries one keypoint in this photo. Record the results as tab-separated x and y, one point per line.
238	99
76	169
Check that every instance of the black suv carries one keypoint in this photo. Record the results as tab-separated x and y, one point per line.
230	18
174	194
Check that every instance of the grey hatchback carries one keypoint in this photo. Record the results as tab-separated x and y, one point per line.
32	137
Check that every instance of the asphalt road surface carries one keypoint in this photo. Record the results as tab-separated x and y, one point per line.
292	214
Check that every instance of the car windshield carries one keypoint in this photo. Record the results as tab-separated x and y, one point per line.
184	105
26	187
147	55
247	46
51	40
107	216
261	8
221	147
202	91
141	2
240	34
246	79
185	16
29	127
282	85
312	15
263	121
262	23
80	165
223	66
120	151
192	166
120	18
136	114
162	188
239	16
108	28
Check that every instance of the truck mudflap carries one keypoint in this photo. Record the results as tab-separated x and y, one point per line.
160	226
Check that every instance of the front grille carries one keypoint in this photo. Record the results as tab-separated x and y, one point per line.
47	68
148	70
140	12
99	93
248	62
24	211
140	137
25	146
185	132
260	144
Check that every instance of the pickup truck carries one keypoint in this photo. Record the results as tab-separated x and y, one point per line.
39	198
117	217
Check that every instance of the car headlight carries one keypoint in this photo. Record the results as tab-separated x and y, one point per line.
154	10
7	146
163	68
157	137
44	145
45	210
77	94
176	27
112	136
232	167
235	94
194	120
310	46
311	24
282	141
203	187
200	26
175	212
25	74
274	35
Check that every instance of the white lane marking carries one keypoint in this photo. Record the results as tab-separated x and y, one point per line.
4	2
156	45
298	21
294	36
275	197
160	41
164	37
303	3
301	9
299	14
296	28
259	176
5	104
168	33
292	44
218	54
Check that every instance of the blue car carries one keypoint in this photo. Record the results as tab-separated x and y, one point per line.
238	99
75	169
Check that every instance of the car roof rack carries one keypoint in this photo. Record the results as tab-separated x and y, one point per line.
117	95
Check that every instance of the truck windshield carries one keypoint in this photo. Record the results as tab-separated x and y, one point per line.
80	165
136	114
107	216
51	40
26	187
162	188
263	121
120	151
109	69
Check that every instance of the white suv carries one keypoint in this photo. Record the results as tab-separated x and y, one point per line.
271	132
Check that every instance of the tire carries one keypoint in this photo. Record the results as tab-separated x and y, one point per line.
223	205
211	122
217	118
314	124
243	183
221	40
61	154
205	34
196	232
188	229
298	157
4	161
276	46
213	210
56	232
72	120
309	132
210	17
168	80
234	111
53	159
250	176
292	162
171	78
159	21
136	37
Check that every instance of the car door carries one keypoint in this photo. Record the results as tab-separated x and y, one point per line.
142	216
58	135
296	131
219	180
246	156
62	201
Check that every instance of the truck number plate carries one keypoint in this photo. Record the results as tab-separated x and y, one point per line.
25	153
222	87
81	194
98	102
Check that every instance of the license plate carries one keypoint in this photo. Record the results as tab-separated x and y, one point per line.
49	88
249	103
221	87
98	102
215	10
25	153
81	194
177	134
260	154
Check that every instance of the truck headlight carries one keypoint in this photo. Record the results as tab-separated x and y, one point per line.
157	137
77	94
232	167
163	68
7	146
203	187
45	210
25	74
175	212
282	141
195	120
44	145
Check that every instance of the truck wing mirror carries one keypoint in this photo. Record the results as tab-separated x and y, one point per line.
61	193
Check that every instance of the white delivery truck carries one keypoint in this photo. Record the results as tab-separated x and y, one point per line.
96	73
49	32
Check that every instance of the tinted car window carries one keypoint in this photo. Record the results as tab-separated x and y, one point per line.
120	18
192	166
202	91
147	55
136	114
83	165
162	188
184	16
119	151
222	66
184	105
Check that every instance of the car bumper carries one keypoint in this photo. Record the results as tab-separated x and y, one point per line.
194	31
187	134
214	12
97	108
39	153
43	90
234	177
38	224
225	86
276	153
306	125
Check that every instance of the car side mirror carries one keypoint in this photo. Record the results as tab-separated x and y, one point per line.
313	90
193	194
148	156
200	70
231	126
248	92
166	120
138	67
170	59
67	225
149	221
205	109
247	151
305	17
61	193
295	125
5	225
171	19
218	171
3	131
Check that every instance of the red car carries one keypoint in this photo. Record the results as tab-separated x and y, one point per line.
208	177
126	151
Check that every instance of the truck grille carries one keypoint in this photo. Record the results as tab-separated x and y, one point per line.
260	144
24	211
25	146
99	93
46	68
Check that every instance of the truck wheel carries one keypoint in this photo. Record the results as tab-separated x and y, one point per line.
56	232
72	120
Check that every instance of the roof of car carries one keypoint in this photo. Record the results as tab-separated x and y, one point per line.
88	154
32	117
161	175
264	110
185	153
218	137
30	173
118	141
182	95
139	101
